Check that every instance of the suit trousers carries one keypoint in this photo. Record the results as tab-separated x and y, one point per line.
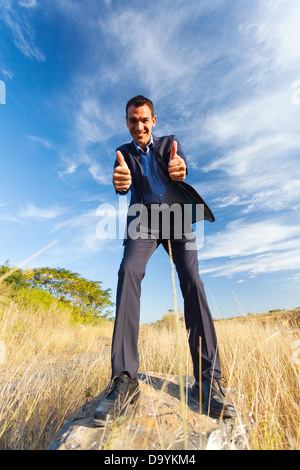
198	319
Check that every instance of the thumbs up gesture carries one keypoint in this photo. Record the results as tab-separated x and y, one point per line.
177	166
122	175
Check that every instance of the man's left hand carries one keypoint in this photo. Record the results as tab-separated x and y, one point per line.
177	166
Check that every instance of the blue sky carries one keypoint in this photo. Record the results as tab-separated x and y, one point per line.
223	76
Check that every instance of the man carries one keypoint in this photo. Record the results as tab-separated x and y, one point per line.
153	169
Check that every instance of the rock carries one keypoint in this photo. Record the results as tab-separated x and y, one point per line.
154	423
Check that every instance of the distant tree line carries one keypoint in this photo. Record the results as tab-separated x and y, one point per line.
89	300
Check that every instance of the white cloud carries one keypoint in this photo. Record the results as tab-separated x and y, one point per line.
154	48
267	263
70	168
99	174
269	116
84	225
93	124
254	135
88	123
243	238
41	141
34	212
28	3
275	34
251	248
21	30
8	73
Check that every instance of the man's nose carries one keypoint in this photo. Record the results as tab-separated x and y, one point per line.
139	125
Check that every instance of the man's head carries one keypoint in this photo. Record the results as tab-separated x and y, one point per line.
140	119
138	101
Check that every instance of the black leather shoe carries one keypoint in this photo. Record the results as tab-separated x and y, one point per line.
213	397
120	393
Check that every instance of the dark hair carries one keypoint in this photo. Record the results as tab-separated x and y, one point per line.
140	101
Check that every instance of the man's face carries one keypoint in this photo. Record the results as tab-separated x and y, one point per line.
140	123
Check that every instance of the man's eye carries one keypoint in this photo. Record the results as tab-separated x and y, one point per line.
134	121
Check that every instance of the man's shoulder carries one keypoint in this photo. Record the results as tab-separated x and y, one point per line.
126	146
163	144
163	139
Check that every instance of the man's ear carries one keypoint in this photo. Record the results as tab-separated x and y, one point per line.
154	120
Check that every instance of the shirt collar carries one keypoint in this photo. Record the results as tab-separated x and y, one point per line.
149	146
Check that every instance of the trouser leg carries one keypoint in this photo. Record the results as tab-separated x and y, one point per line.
124	353
198	317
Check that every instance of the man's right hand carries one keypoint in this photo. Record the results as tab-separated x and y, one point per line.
122	175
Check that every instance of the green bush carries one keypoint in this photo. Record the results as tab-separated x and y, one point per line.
60	289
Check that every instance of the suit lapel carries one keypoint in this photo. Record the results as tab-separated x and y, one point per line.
158	156
134	154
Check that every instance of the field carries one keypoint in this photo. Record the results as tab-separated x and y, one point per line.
49	367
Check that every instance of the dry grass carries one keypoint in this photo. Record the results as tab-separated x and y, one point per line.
53	367
263	365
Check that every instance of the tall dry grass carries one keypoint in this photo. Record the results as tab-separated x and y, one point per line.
262	363
52	367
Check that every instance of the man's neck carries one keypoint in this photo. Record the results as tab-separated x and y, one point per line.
144	147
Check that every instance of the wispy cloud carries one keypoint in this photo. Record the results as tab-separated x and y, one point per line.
155	49
253	137
99	174
88	123
70	166
251	248
264	264
84	225
275	33
244	238
28	3
31	211
41	141
20	29
8	73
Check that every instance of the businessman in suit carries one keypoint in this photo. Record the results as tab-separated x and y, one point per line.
153	170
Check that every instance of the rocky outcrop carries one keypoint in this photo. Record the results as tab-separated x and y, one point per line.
156	422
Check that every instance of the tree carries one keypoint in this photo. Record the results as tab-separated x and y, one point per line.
12	276
87	297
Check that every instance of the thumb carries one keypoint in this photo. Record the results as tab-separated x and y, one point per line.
173	150
121	159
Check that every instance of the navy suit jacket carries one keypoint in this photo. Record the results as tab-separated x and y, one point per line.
161	150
